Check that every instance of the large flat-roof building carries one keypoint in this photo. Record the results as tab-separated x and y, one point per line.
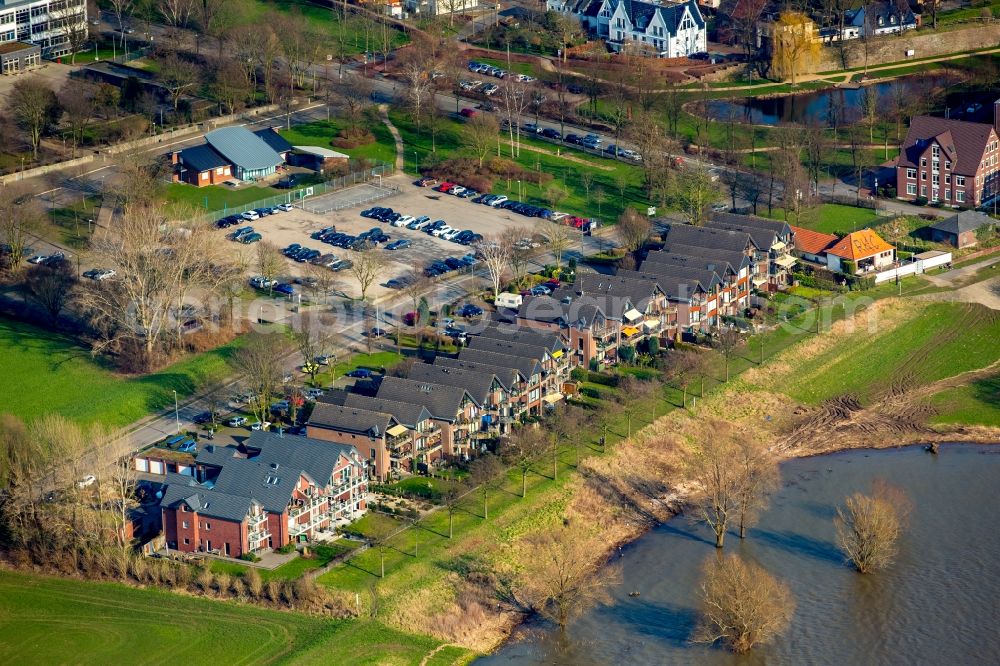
45	23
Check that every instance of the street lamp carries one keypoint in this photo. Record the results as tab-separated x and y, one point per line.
177	414
416	162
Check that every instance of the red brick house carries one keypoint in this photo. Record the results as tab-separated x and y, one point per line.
265	493
952	161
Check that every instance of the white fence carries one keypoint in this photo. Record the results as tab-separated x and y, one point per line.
919	264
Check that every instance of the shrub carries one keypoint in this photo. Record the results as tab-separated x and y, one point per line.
254	583
287	548
352	137
594	365
578	374
222	580
204	579
626	353
249	557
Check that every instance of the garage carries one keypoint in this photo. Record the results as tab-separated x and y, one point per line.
156	467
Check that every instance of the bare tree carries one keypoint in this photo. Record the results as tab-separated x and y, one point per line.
77	102
559	242
728	341
495	251
177	76
487	473
20	220
368	267
34	107
419	90
633	231
741	604
522	448
259	361
177	13
565	578
633	395
717	480
51	287
270	262
451	501
759	477
311	344
116	492
230	85
480	135
693	191
683	366
74	26
869	526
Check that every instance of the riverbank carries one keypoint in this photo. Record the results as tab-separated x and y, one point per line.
942	571
892	406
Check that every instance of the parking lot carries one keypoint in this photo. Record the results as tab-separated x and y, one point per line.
283	229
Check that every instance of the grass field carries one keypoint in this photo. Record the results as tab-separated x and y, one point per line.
50	373
56	621
939	340
833	218
217	197
321	132
975	404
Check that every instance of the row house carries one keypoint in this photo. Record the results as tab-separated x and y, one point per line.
268	491
526	391
954	162
451	408
388	443
733	280
774	238
484	387
591	325
694	294
709	243
555	364
645	311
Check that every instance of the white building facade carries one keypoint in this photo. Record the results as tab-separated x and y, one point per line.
45	23
666	31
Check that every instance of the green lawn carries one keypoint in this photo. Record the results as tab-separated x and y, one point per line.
518	67
943	340
49	373
373	361
321	132
294	568
217	197
975	404
56	621
833	218
71	224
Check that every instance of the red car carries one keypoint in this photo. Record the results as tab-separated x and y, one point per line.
467	113
410	318
445	186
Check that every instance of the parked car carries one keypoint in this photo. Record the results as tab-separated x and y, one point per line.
361	373
237	422
261	282
260	425
100	274
86	481
427	182
469	310
377	332
284	288
251	238
399	244
284	207
204	417
550	133
468	113
251	215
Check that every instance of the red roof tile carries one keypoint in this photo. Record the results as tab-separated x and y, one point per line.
812	242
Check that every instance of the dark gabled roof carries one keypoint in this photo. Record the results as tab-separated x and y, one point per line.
593	8
478	384
719	267
525	365
334	397
243	148
508	376
708	280
274	140
564	309
676	287
524	335
505	346
317	458
638	292
408	414
967	220
716	239
885	10
351	419
443	402
963	142
641	14
204	500
202	158
737	259
763	231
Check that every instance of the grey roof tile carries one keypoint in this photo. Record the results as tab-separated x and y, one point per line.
243	148
443	402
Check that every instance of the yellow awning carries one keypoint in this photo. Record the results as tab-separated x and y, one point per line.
557	353
785	261
396	430
629	331
552	398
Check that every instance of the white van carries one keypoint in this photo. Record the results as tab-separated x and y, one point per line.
512	301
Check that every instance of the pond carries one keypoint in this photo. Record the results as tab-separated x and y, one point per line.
824	106
938	603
